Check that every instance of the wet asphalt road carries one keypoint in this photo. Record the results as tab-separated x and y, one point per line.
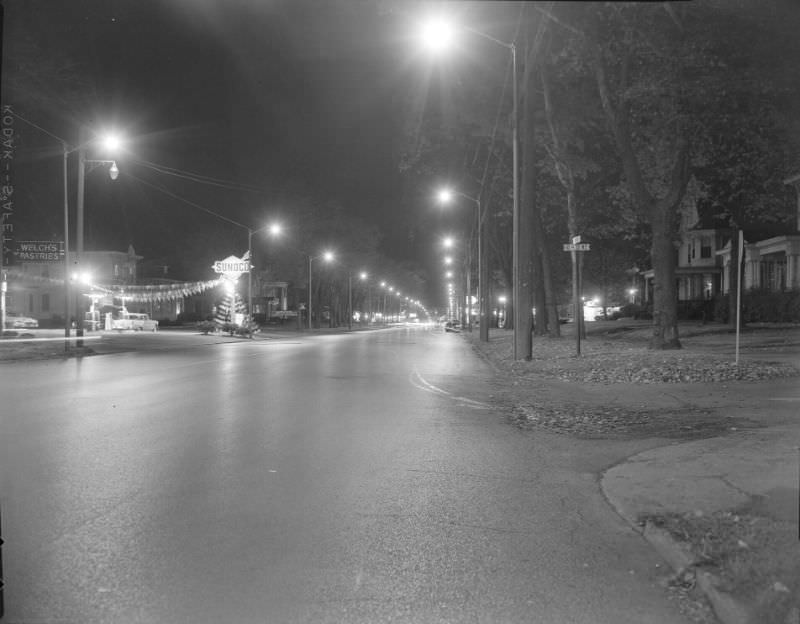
343	478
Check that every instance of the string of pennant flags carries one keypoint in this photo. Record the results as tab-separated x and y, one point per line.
136	293
161	292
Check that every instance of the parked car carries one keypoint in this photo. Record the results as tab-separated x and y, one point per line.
135	321
452	326
19	321
612	315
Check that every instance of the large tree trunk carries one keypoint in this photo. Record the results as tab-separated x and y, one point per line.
550	306
665	291
528	215
539	301
567	179
662	211
539	295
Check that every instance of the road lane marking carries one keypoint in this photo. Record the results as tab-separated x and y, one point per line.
419	382
62	338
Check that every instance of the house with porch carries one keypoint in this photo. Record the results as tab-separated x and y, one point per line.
771	260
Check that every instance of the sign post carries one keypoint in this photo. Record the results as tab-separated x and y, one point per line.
231	269
576	247
739	277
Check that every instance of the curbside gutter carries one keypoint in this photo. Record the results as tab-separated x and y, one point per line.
726	607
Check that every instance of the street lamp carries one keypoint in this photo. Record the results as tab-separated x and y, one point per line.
436	35
274	229
110	143
327	256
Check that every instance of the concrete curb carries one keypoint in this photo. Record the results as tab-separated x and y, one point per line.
726	607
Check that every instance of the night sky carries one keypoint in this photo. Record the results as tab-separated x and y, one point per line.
295	98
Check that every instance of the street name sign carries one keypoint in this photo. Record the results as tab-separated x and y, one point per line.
576	247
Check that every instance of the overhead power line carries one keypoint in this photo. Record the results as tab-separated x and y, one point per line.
186	201
196	177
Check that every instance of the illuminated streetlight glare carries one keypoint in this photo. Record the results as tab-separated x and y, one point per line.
111	142
448	241
84	278
444	196
327	256
436	34
448	260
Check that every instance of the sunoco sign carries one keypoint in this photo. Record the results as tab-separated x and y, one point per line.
232	267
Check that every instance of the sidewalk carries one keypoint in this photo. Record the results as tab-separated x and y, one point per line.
714	474
751	472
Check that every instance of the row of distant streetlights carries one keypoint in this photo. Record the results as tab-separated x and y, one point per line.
326	256
447	195
437	35
444	196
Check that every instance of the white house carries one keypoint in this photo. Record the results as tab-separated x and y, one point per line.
704	257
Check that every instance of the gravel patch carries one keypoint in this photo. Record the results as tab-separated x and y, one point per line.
625	361
620	356
620	422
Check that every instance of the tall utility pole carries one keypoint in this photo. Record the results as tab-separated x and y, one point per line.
79	235
521	300
67	295
436	34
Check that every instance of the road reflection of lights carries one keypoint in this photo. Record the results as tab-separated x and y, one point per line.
418	381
